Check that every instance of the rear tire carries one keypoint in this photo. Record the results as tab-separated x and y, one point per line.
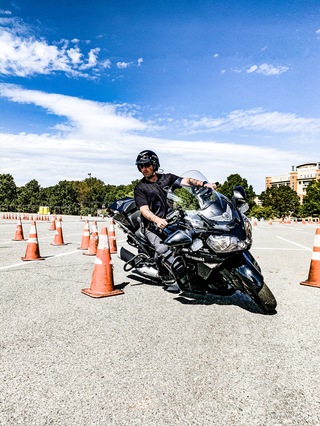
264	299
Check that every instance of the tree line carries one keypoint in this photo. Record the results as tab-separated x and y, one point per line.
66	197
92	194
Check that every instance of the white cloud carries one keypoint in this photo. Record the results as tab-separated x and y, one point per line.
23	54
28	56
89	118
92	59
104	139
257	120
75	55
267	69
123	65
216	55
106	63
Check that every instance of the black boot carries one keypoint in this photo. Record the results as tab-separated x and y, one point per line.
165	274
178	269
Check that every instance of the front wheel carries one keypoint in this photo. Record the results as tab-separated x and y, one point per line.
264	299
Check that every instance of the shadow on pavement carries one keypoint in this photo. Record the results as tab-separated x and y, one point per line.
188	298
237	299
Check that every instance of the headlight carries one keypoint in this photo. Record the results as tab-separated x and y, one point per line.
225	244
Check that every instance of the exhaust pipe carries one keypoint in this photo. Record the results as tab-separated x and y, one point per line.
148	271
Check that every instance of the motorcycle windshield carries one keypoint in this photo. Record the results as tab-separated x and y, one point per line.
203	206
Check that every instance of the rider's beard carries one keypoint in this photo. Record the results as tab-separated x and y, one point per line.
148	173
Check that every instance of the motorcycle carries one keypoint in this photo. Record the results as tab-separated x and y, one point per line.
209	231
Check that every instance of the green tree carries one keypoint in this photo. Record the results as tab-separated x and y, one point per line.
91	194
311	202
234	180
64	198
44	196
28	199
261	212
283	200
114	192
8	192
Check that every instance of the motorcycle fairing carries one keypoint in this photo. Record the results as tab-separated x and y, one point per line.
178	238
248	273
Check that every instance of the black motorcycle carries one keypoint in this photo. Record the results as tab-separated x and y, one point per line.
209	231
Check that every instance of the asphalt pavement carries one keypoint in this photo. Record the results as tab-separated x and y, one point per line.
150	357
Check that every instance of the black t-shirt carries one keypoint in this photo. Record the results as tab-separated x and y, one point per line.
154	194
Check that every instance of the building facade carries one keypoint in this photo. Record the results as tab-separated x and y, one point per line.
298	178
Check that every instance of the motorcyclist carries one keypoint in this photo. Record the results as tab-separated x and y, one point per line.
150	196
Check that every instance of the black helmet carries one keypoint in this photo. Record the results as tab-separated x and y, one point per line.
148	156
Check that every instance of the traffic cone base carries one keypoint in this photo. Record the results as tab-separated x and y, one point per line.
32	260
310	283
91	293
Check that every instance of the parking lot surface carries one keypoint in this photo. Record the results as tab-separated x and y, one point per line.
150	357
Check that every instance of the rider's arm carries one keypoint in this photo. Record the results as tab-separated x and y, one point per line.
147	213
187	181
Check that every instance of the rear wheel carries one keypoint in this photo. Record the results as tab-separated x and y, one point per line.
264	299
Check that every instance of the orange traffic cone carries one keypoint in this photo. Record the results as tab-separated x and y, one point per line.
53	225
94	241
58	237
102	277
85	241
32	251
112	237
314	271
18	236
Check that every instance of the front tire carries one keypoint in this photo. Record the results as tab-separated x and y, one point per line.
264	299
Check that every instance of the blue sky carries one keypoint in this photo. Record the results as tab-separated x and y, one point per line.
220	86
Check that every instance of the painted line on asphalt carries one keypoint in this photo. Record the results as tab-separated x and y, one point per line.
39	239
295	244
277	248
33	261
